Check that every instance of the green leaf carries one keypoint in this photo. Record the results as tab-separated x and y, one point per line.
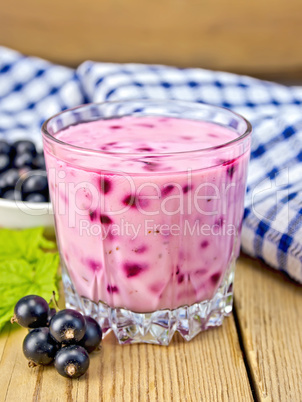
27	243
25	268
47	244
45	275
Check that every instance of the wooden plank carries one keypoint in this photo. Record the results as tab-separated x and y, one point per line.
209	368
253	37
269	310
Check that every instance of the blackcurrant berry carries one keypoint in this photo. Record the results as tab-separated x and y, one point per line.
35	184
8	180
23	146
12	195
72	361
4	162
22	160
93	335
35	197
6	148
31	311
39	162
51	313
67	326
39	347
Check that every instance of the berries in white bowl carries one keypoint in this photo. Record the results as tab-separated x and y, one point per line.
22	172
24	195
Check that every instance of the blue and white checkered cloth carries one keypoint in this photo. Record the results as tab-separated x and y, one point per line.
32	89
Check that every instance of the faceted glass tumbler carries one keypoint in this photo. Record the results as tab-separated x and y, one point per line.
148	241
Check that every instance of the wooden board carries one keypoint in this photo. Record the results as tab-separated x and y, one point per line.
208	368
256	354
269	311
255	37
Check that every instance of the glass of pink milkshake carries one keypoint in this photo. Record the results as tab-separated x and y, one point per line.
148	199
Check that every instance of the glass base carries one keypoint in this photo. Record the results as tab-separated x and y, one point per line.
157	327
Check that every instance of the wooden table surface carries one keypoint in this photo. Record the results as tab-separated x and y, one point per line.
251	37
255	355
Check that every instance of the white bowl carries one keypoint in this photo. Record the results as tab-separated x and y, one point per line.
21	214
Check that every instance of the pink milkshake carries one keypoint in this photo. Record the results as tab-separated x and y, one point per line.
148	210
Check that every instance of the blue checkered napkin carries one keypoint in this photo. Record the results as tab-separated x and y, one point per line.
272	227
32	89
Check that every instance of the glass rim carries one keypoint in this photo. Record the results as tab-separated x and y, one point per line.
51	137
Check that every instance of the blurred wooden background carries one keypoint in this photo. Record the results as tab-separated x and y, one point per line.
257	37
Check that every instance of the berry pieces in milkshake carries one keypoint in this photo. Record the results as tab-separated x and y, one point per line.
157	207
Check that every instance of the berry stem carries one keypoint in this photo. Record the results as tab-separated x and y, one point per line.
13	319
54	301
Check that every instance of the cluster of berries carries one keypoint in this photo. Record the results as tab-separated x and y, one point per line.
22	172
64	337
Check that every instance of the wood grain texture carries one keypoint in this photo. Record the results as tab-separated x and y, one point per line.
209	368
269	311
255	37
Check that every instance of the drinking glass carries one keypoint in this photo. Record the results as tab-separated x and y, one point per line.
148	241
